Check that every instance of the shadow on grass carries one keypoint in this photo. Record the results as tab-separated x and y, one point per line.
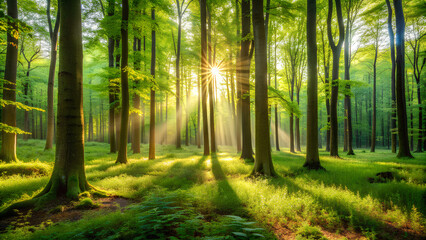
350	216
226	200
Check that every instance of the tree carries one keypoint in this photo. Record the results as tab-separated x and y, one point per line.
204	72
122	146
336	49
352	12
111	86
181	11
53	34
137	45
263	162
8	146
404	148
392	52
243	77
33	56
152	104
312	155
210	81
418	66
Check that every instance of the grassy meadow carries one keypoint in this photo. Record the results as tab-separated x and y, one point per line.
183	195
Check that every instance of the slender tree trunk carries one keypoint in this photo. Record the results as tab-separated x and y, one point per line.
336	49
392	48
117	110
238	119
136	122
178	109
244	79
327	105
198	111
348	110
152	110
8	146
263	164
211	96
312	155
90	114
51	81
420	137
374	129
122	150
298	124
204	72
277	143
404	149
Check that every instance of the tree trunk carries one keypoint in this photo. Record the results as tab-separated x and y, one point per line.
404	149
198	111
263	163
238	112
68	176
211	96
8	146
373	129
348	110
336	49
277	142
122	150
204	65
136	121
244	79
419	102
152	110
298	124
178	109
51	81
392	49
312	155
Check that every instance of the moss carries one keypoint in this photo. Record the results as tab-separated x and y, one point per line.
86	203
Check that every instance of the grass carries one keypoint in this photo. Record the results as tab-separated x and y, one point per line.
339	201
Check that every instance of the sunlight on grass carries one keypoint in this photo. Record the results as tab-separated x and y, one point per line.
336	199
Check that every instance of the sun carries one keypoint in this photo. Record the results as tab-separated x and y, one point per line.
215	72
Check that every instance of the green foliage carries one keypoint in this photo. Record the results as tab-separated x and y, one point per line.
306	232
280	97
86	203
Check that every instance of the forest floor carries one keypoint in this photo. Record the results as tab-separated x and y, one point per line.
183	195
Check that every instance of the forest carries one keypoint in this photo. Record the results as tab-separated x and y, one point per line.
213	119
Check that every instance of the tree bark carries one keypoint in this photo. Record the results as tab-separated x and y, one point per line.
336	49
312	155
404	149
8	144
51	81
263	162
348	107
178	109
211	95
244	79
238	112
392	50
122	150
152	104
204	65
373	129
68	176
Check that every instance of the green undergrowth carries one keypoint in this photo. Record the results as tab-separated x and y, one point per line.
340	199
160	216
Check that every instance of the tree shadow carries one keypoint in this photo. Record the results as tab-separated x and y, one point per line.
350	216
226	200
